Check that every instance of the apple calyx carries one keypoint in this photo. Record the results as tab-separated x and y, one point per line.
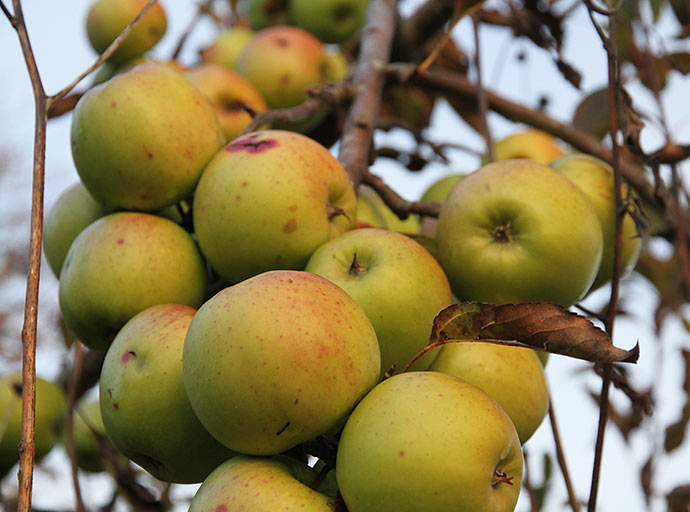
333	211
501	477
503	234
355	267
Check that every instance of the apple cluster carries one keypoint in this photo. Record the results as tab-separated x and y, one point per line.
253	305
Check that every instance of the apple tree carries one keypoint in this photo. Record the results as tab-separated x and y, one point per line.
277	297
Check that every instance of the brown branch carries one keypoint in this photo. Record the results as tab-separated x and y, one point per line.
456	84
377	38
401	207
671	153
202	8
560	456
72	397
319	96
8	14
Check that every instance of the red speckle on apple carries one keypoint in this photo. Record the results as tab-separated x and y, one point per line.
290	226
251	146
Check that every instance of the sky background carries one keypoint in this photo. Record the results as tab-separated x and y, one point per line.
62	52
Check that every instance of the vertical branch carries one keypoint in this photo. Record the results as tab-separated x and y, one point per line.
613	91
72	397
27	443
526	482
377	37
482	101
560	456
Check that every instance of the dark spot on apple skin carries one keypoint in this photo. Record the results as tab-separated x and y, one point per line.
283	429
116	406
251	146
110	393
402	453
293	208
284	79
17	388
290	226
120	241
113	104
221	508
127	355
282	42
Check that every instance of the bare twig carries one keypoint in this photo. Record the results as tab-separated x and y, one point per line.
202	8
481	97
8	14
72	397
377	38
401	207
560	456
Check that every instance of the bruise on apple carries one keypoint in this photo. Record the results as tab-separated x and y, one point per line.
251	145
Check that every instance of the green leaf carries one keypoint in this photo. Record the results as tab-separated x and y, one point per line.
592	114
541	326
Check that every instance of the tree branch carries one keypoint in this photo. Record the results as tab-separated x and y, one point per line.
401	207
377	38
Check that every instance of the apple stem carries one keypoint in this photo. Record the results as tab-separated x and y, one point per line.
334	211
355	267
501	478
503	233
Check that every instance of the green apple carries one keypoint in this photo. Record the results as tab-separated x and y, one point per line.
398	284
513	376
260	484
143	402
429	441
372	211
141	140
437	192
73	210
267	13
122	264
519	231
530	144
51	407
282	62
277	360
229	93
227	47
107	18
332	21
595	178
267	201
87	420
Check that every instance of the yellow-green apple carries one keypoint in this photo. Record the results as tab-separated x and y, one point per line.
519	231
267	201
332	21
88	424
513	376
141	140
398	284
282	62
437	192
122	264
277	360
107	18
260	484
267	13
144	405
529	144
595	178
372	211
227	47
73	210
429	441
51	407
231	95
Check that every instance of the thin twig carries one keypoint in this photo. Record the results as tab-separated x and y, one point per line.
72	397
202	8
104	56
481	97
8	14
560	456
534	507
401	207
377	38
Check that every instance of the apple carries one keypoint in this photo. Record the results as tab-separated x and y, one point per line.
429	441
267	13
226	48
530	144
122	264
277	360
107	18
513	376
73	210
87	420
595	178
372	211
143	402
437	192
267	201
332	21
51	407
398	284
141	140
229	93
260	484
282	62
519	231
